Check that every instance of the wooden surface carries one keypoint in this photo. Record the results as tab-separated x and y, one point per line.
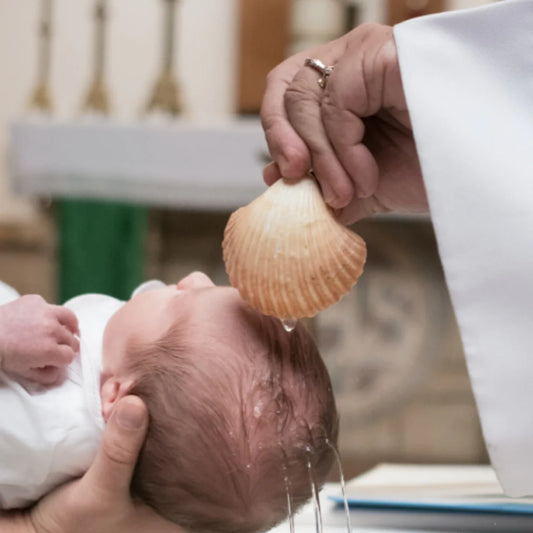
405	9
263	41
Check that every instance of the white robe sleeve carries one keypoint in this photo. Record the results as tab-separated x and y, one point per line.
468	78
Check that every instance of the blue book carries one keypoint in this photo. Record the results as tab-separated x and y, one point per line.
441	488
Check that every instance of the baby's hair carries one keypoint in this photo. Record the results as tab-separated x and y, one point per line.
232	427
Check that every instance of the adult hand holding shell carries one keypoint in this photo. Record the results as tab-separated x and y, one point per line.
354	132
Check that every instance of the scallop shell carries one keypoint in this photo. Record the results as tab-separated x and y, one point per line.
287	255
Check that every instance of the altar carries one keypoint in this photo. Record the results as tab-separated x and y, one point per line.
174	164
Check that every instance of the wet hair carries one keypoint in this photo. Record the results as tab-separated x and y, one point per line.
235	427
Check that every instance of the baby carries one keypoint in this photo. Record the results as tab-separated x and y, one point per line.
242	416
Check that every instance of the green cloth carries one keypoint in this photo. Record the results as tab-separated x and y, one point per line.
101	248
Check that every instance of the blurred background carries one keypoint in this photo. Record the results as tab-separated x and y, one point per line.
129	132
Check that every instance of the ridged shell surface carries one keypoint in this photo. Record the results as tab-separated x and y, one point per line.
287	255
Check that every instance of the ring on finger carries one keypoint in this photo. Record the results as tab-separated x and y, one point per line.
324	70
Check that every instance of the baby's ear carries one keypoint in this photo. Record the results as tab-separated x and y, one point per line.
111	391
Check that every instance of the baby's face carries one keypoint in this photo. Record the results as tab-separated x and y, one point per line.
146	317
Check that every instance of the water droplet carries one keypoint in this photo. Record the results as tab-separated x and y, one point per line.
316	500
343	486
289	324
258	410
289	503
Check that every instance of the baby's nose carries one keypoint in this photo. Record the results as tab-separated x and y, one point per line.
195	280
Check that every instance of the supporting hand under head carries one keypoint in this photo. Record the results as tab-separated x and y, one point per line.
355	133
100	501
37	340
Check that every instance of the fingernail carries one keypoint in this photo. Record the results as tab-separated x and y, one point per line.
329	196
283	166
334	202
271	173
326	191
130	416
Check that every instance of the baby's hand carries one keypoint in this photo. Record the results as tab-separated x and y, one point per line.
37	339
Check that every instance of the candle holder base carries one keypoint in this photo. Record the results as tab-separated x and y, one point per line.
166	96
97	99
41	99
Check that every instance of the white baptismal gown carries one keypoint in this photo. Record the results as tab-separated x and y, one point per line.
49	435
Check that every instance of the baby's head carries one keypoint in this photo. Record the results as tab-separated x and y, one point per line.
241	412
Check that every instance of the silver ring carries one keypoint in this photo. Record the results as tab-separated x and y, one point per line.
320	67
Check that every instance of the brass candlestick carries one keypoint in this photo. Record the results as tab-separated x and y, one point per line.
40	99
97	99
166	95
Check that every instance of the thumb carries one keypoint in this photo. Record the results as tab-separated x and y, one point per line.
123	438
